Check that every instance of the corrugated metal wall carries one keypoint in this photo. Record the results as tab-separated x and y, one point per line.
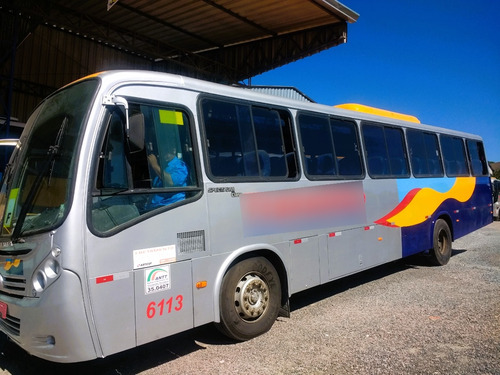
48	59
223	41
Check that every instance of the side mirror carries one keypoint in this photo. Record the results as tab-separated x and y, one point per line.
134	126
136	132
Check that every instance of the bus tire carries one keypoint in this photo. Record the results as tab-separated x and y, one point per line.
250	299
441	252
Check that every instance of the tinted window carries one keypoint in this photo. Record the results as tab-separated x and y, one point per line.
396	151
345	140
330	147
270	145
385	151
230	138
248	142
454	156
317	145
424	154
477	158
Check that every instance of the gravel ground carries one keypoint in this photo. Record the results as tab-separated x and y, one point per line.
400	318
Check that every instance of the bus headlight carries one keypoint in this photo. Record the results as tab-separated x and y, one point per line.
45	275
39	281
51	268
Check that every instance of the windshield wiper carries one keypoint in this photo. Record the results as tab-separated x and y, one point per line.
7	176
52	152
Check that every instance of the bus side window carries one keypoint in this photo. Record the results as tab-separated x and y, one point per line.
224	125
433	155
317	146
346	145
108	209
330	147
169	156
424	152
289	144
376	151
245	142
133	180
477	158
267	124
454	156
385	150
396	151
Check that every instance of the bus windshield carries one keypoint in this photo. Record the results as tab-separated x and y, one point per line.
35	196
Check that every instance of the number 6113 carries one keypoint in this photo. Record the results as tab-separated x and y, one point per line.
164	306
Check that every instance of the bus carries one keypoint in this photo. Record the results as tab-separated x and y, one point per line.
141	204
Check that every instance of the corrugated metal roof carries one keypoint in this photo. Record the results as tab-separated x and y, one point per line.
46	44
285	92
161	29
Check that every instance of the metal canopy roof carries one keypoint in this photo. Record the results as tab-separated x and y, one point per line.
219	40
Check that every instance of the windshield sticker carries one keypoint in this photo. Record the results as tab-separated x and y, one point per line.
9	213
157	279
171	117
154	256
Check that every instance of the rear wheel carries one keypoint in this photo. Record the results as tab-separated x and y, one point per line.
441	252
250	299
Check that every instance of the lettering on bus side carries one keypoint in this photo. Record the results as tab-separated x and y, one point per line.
165	306
231	190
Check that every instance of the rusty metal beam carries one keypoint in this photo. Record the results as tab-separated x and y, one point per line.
250	59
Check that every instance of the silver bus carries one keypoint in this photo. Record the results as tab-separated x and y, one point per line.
137	205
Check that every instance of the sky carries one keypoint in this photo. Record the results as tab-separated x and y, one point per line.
438	60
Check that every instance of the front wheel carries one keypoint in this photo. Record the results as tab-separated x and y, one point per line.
441	252
250	299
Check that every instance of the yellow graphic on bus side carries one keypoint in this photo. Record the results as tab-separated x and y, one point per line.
420	203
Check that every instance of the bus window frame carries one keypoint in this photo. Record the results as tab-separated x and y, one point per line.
338	176
465	154
384	125
94	170
250	104
484	165
441	160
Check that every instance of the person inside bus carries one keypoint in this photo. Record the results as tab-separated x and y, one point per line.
174	174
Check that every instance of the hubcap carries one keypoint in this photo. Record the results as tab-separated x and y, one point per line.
442	241
251	297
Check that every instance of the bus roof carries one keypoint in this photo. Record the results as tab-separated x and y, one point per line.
116	77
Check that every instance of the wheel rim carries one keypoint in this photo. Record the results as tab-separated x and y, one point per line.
251	297
442	242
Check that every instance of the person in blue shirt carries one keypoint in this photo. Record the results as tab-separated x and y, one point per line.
174	174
